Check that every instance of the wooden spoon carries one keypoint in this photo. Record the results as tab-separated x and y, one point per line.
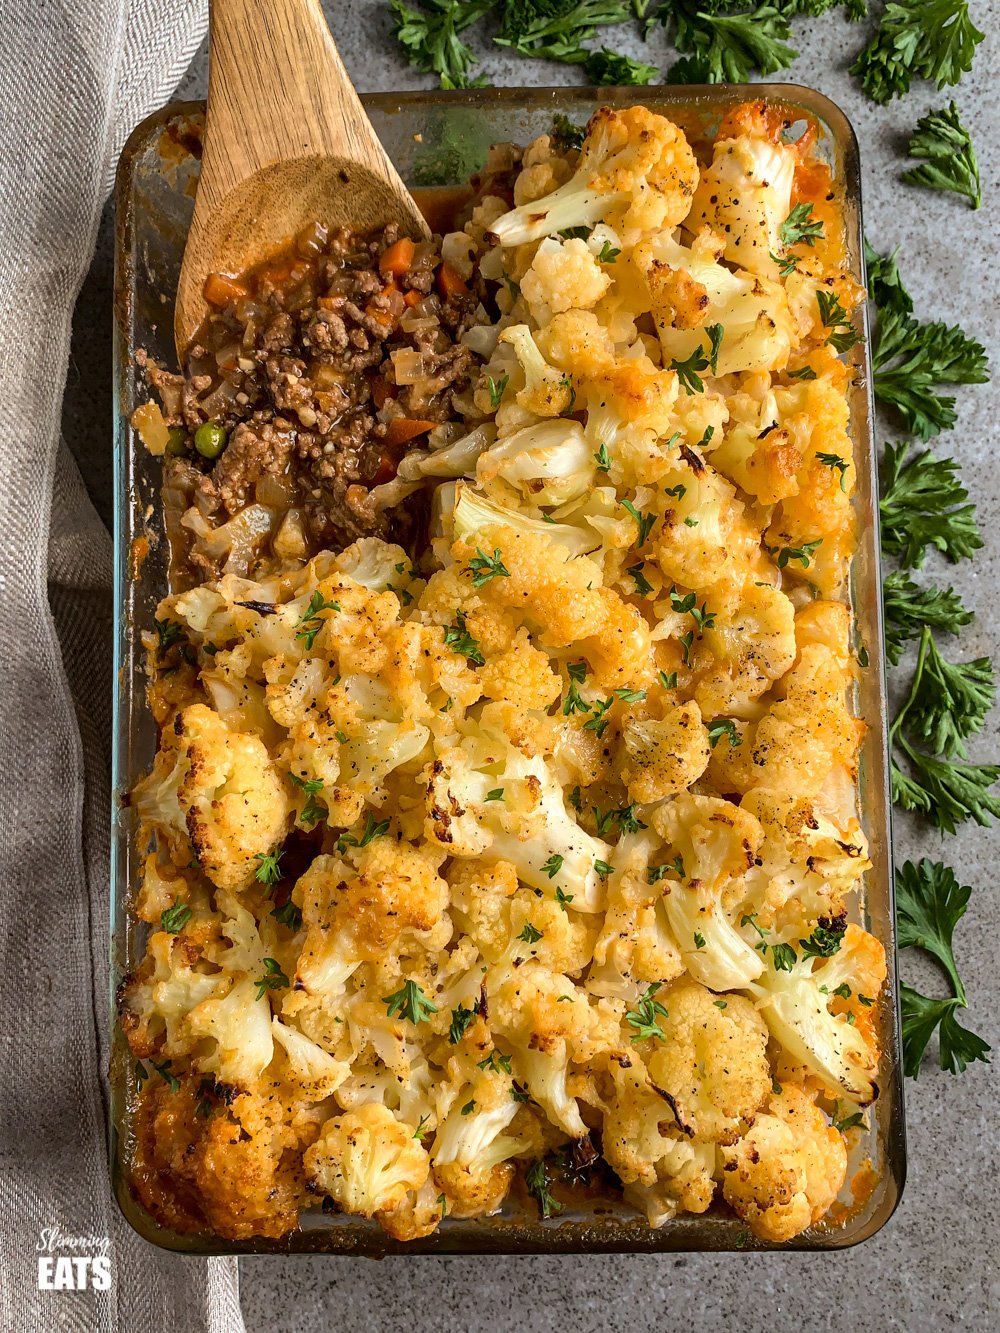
287	143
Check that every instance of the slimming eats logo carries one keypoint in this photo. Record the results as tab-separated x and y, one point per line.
87	1268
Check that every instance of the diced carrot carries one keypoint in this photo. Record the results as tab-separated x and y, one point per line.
413	299
402	429
221	291
387	467
397	259
449	282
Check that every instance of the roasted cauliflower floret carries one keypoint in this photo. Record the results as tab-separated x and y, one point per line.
636	169
366	1161
218	790
788	1169
711	1062
716	843
209	1158
564	275
662	1170
663	756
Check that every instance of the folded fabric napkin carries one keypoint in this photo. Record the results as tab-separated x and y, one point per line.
74	80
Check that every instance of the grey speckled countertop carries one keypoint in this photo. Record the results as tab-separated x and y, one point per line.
935	1264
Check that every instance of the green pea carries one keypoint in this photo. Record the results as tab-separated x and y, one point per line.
176	441
210	439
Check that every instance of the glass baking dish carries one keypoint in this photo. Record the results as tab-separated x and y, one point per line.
439	139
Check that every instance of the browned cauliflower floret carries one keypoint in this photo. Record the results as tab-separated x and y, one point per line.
564	275
663	756
217	789
712	1061
636	168
788	1169
752	639
522	675
662	1170
366	1161
209	1158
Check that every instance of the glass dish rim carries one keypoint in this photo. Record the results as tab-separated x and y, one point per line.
486	1235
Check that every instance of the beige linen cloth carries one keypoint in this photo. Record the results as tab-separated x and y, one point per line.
75	77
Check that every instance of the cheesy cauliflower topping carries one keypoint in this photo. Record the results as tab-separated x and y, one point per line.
547	835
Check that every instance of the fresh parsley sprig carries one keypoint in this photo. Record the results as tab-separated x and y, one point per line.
908	608
924	504
925	39
430	36
949	158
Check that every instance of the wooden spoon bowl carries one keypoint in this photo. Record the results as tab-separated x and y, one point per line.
287	144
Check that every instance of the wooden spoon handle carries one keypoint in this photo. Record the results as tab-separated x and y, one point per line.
278	90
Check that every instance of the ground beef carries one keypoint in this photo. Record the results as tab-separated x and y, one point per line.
300	374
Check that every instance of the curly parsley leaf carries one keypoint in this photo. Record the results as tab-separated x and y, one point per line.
411	1002
726	48
910	358
429	34
485	567
556	29
610	69
458	638
927	39
885	286
948	701
800	225
923	504
949	158
907	608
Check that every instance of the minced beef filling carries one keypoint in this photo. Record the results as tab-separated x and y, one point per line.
302	371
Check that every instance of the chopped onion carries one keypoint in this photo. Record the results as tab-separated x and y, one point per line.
408	366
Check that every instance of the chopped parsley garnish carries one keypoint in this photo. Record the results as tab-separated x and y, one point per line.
603	459
553	865
565	134
165	1072
824	942
497	1063
715	335
485	567
846	1122
312	811
410	1002
372	830
269	870
460	1020
537	1182
803	554
608	253
690	371
273	978
312	620
496	388
458	638
644	521
646	1015
168	633
469	1107
803	373
685	641
420	1132
699	940
603	869
495	795
562	898
724	727
784	957
288	914
833	316
598	720
174	919
800	225
668	681
838	464
529	934
643	586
